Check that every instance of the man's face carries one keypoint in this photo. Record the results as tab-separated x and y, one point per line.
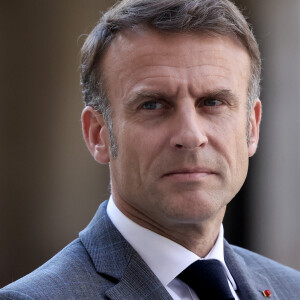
179	118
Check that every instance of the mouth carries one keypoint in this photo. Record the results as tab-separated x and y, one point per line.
189	174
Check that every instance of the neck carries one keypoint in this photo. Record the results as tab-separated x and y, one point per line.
198	237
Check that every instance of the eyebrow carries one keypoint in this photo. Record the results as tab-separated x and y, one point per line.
142	95
218	93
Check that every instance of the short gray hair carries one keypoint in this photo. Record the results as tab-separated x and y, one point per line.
196	16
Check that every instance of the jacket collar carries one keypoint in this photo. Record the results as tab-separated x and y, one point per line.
113	257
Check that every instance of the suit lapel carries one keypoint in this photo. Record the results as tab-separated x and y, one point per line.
114	258
250	284
138	282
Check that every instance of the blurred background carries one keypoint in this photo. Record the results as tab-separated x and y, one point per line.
50	187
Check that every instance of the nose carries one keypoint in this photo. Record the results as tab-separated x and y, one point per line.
188	130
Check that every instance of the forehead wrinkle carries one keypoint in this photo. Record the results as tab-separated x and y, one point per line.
163	88
161	68
183	67
179	63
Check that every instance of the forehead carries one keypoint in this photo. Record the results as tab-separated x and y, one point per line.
145	54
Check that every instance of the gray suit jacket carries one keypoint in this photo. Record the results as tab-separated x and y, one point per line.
100	264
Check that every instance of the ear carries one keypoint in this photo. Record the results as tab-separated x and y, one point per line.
95	133
254	123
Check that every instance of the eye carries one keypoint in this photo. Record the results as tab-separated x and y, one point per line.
152	105
211	102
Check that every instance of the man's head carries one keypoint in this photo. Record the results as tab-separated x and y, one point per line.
181	16
179	105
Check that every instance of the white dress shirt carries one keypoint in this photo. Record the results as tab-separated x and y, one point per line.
166	258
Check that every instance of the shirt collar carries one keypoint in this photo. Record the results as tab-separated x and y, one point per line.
165	258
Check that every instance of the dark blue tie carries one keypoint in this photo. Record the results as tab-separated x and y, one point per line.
208	279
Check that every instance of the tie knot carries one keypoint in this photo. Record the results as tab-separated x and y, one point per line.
208	279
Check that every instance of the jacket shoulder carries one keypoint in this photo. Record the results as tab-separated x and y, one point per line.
277	273
69	274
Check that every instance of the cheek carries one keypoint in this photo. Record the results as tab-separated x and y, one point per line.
137	150
148	145
230	140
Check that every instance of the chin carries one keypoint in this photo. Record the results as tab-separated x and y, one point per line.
193	209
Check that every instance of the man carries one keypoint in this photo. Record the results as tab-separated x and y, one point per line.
171	91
